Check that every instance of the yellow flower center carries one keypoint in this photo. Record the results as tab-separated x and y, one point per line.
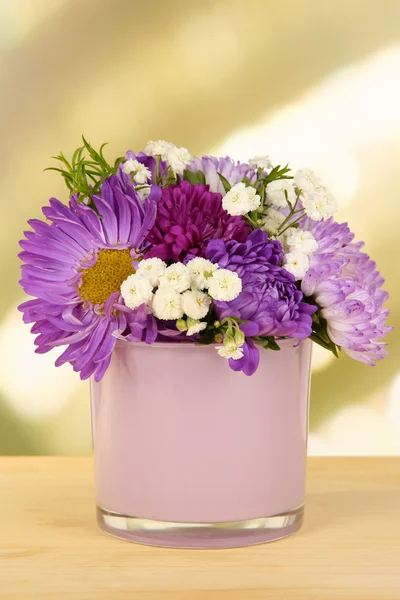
105	277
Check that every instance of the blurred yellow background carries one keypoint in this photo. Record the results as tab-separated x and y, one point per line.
315	83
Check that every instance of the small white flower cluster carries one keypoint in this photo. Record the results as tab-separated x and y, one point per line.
180	290
233	344
316	198
176	158
140	173
279	192
261	162
230	350
298	246
272	221
241	199
318	204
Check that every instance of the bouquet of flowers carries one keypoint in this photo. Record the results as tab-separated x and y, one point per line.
160	245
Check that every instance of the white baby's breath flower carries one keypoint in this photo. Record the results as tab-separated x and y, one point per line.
320	204
224	285
144	192
200	270
167	304
261	162
195	304
230	350
277	191
141	174
152	269
195	326
272	221
306	180
297	263
176	277
241	199
299	240
158	148
178	159
316	198
136	290
129	166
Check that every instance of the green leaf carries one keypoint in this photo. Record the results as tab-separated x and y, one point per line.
207	337
227	186
268	342
278	172
101	150
98	157
201	177
272	345
86	172
331	347
63	173
320	335
190	177
247	181
77	155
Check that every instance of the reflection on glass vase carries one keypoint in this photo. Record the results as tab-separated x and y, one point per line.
190	454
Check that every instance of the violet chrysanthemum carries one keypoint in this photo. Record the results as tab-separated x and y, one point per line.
234	172
75	264
269	302
344	282
188	217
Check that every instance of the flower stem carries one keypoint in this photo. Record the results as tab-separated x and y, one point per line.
291	224
157	173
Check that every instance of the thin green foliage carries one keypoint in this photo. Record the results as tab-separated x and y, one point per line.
86	171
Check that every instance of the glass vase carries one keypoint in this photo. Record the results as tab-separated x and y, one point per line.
191	454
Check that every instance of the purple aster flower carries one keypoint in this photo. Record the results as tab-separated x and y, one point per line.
188	217
344	282
75	265
234	172
269	302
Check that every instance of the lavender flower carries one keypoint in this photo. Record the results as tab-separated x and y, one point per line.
188	217
344	282
211	166
269	302
75	266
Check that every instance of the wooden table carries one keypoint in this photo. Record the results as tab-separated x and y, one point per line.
51	548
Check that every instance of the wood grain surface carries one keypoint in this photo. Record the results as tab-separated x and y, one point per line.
51	548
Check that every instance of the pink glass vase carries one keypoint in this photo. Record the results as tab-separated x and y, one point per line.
191	454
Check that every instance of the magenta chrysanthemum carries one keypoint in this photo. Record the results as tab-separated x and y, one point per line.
188	217
344	282
75	265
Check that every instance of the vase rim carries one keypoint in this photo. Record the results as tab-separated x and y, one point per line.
173	344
